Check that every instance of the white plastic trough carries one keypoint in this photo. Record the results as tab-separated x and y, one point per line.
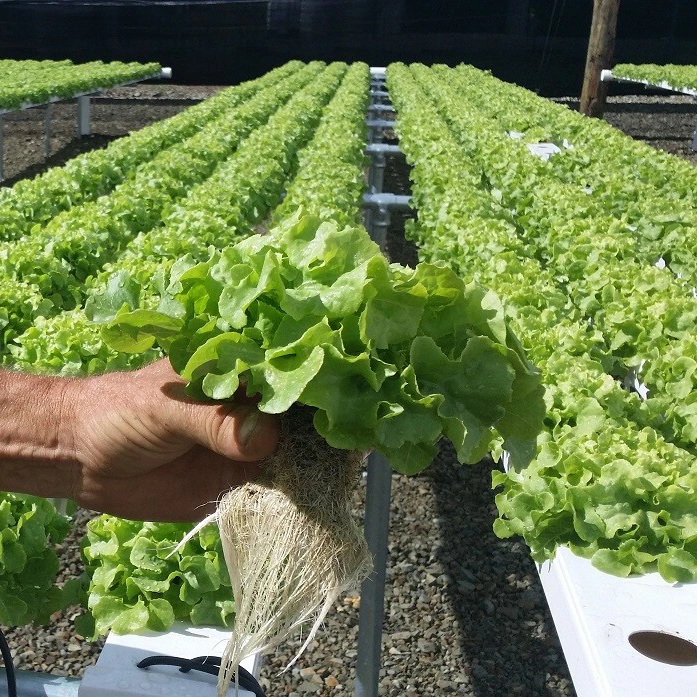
116	673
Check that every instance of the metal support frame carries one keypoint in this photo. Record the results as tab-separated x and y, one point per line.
84	127
378	152
694	139
379	96
386	108
378	206
388	202
372	610
61	505
377	172
377	126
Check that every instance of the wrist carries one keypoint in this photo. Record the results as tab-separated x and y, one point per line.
66	395
37	452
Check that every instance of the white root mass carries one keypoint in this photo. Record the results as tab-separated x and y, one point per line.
290	543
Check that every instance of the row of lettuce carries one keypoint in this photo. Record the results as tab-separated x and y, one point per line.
644	312
201	187
648	192
679	77
33	202
55	267
614	476
37	82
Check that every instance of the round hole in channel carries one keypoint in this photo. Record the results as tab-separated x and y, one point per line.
665	648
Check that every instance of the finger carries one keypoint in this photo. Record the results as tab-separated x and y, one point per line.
236	431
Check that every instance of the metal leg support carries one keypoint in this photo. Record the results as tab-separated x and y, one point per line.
2	150
84	127
377	126
377	518
376	176
377	504
61	506
375	109
47	132
379	206
368	220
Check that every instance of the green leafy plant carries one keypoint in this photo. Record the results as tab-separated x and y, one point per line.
29	527
140	579
613	473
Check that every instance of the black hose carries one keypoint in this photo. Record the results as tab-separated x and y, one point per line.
9	666
204	664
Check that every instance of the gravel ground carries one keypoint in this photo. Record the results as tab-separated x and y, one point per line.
465	613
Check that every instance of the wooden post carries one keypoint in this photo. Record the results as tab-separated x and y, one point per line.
601	47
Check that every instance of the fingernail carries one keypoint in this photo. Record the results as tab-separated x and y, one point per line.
248	426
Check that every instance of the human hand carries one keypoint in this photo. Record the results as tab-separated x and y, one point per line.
146	451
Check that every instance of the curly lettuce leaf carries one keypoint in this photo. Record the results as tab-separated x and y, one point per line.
139	582
390	357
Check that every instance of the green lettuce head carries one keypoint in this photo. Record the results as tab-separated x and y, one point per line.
391	358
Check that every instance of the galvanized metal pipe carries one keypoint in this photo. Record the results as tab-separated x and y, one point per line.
47	131
372	610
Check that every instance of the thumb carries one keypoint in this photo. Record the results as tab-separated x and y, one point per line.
236	431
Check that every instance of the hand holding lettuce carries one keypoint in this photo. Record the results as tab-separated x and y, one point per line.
355	354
